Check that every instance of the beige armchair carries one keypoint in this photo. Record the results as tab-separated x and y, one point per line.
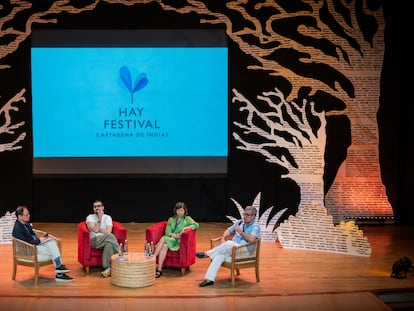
236	262
25	254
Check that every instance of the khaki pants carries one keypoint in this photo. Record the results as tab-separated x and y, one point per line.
109	244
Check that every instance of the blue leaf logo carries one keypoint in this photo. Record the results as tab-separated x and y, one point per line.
140	82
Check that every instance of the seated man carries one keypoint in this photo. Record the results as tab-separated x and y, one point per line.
100	227
22	230
244	230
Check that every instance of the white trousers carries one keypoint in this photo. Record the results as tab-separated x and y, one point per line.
49	250
219	254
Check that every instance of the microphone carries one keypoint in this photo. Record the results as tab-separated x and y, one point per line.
241	224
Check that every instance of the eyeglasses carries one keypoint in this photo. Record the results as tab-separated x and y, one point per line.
98	205
245	214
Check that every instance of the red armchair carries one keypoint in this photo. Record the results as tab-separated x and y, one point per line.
91	257
185	256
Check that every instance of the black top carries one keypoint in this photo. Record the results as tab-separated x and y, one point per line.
25	233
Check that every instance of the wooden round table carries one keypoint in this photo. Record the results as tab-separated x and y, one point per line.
133	270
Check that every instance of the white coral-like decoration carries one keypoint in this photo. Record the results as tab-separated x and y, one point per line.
267	228
313	229
6	227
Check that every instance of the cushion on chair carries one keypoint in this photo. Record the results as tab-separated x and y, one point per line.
40	258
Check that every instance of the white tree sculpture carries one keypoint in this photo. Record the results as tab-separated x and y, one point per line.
291	143
9	138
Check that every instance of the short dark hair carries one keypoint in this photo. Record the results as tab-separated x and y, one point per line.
20	210
179	205
97	201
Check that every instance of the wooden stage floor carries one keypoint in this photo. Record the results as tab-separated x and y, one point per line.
290	279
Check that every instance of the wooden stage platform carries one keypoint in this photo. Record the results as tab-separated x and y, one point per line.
290	279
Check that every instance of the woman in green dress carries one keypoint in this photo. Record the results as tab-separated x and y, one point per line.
177	223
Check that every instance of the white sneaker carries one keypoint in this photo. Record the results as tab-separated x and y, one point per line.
106	273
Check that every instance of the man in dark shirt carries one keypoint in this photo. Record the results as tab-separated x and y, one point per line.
46	246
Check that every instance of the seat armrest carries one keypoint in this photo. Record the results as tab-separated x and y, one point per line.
187	248
188	235
188	240
84	235
154	232
119	231
84	242
254	251
23	249
215	241
41	233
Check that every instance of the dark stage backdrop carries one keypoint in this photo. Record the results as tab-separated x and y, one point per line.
318	111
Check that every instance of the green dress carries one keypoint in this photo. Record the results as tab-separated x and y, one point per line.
172	227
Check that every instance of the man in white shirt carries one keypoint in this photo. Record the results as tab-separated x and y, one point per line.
100	228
